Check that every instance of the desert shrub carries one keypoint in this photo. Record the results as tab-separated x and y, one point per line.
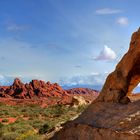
29	135
19	120
12	131
5	120
33	105
1	125
9	136
81	108
6	133
24	110
56	110
32	137
5	129
40	119
37	124
32	112
20	127
44	129
8	111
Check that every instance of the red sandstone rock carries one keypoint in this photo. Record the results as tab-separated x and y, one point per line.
45	93
36	88
88	94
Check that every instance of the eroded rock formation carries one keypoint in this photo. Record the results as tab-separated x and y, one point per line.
42	93
36	88
107	118
120	83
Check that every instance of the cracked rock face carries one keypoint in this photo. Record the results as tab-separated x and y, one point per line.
112	116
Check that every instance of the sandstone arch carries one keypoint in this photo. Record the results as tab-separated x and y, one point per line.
106	118
120	83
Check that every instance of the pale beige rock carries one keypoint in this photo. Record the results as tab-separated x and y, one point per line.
78	101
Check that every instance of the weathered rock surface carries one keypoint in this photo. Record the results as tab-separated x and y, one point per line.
112	116
134	97
78	101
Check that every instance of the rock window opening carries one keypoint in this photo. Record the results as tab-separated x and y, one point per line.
135	94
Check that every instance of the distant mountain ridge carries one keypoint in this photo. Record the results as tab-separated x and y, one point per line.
94	87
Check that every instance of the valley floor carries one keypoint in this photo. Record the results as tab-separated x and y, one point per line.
33	122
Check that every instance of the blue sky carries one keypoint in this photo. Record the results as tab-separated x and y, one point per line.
65	41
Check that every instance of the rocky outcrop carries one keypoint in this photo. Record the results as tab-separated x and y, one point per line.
43	93
88	94
134	97
88	132
35	89
112	116
78	101
104	121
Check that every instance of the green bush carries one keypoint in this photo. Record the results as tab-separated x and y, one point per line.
29	135
32	137
9	136
5	120
44	129
37	124
1	125
81	108
20	127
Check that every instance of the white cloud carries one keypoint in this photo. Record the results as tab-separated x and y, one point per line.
123	21
5	80
106	11
2	77
8	79
91	79
106	54
78	66
15	27
95	73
